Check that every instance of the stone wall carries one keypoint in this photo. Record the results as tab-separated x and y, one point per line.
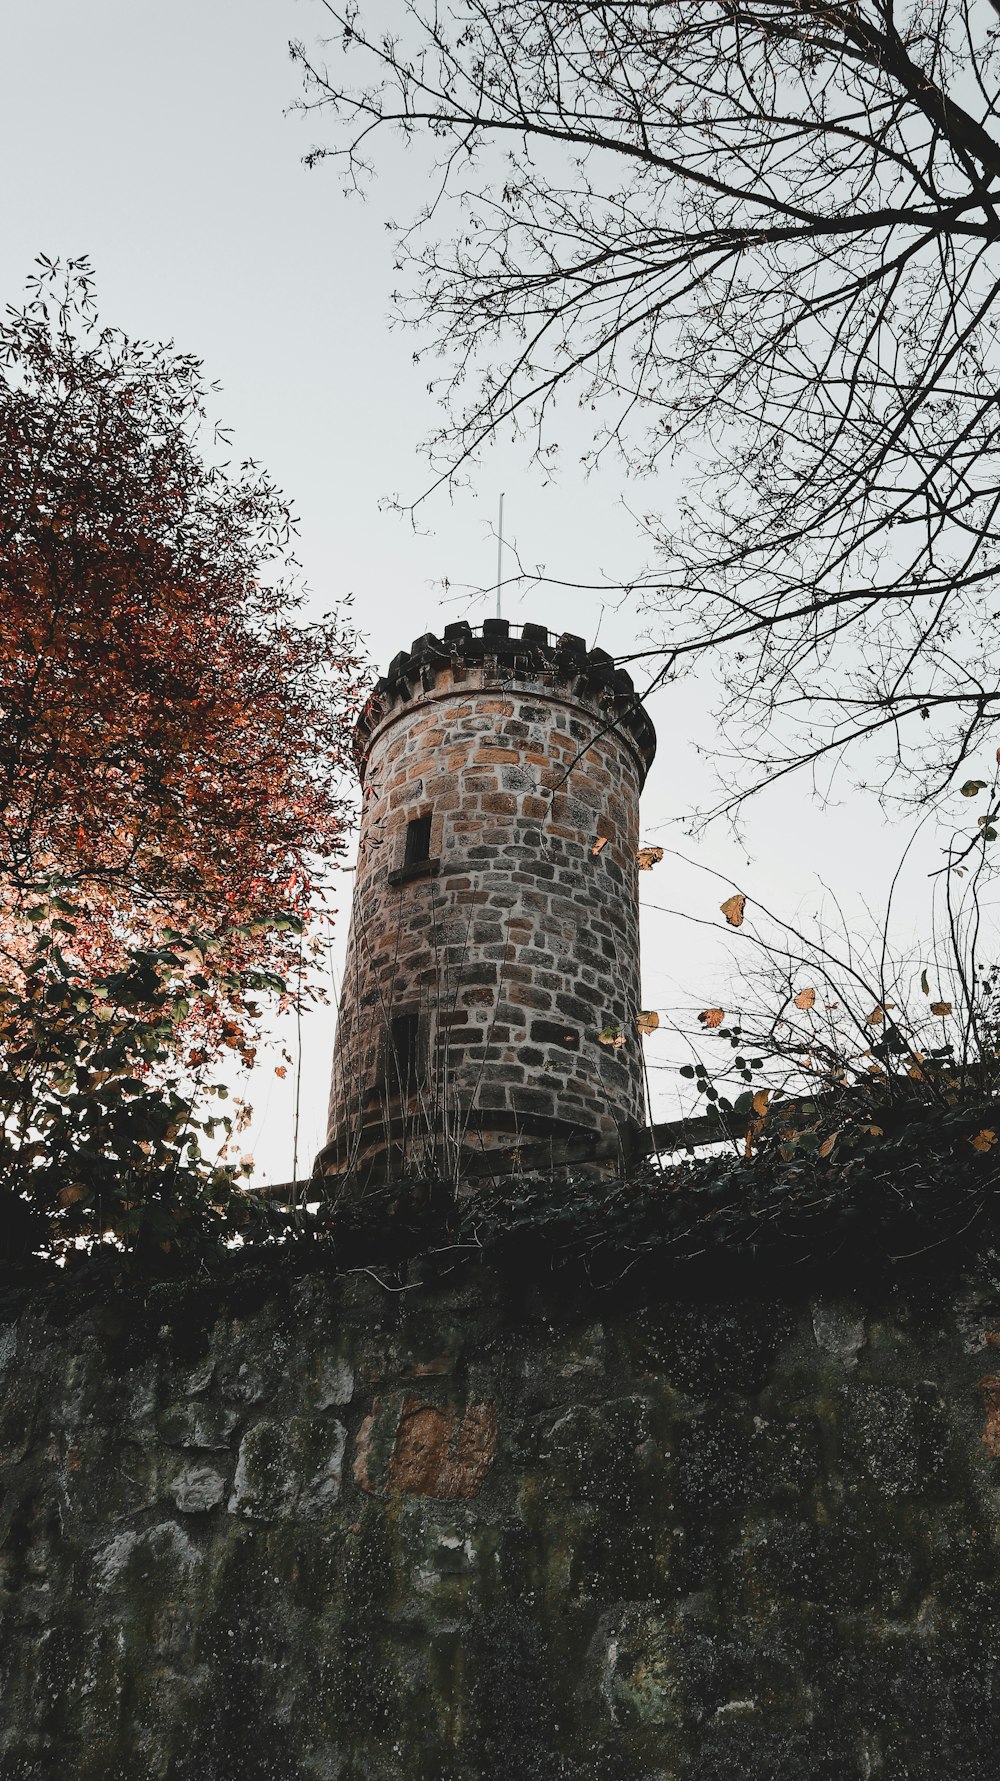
514	943
325	1531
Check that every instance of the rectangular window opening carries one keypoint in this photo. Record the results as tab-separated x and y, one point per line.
403	1035
418	840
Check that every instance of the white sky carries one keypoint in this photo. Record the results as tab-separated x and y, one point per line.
153	138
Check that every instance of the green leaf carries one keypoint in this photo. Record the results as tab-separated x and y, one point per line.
972	787
925	986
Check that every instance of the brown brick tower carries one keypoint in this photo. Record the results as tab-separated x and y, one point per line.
494	932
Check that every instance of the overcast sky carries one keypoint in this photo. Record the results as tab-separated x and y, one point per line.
155	139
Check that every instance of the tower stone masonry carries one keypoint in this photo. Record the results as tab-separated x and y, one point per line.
494	930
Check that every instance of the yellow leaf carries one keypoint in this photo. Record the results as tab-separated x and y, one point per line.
876	1017
984	1140
828	1144
647	1020
602	841
941	1008
612	1036
760	1101
712	1017
806	998
648	857
733	908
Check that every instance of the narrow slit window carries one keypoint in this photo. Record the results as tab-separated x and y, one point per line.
418	840
403	1035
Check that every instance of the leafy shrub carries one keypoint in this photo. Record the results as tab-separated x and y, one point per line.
104	1132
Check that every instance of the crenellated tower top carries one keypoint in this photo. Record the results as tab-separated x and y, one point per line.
508	654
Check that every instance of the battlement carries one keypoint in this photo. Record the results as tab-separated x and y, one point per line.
498	653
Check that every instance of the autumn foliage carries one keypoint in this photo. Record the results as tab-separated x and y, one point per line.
172	743
171	734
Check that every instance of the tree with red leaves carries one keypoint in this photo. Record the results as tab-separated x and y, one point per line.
172	736
173	739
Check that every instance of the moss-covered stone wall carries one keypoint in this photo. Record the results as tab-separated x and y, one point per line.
332	1532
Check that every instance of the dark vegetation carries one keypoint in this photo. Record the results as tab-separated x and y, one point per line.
919	1200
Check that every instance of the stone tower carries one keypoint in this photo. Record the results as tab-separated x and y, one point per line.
494	931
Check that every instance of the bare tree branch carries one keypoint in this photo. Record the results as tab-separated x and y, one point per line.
756	237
